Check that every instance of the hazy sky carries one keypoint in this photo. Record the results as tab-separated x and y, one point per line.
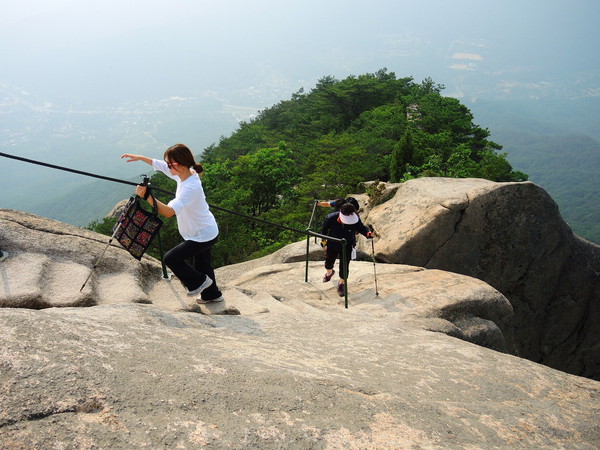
118	50
235	57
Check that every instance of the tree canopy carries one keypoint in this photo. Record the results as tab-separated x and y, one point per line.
325	143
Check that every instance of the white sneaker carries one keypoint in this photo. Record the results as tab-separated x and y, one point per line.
207	283
214	300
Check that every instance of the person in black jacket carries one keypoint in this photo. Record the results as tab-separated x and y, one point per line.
344	224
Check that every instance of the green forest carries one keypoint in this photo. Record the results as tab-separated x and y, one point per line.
566	166
324	144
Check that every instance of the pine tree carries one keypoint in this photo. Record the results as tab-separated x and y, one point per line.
401	157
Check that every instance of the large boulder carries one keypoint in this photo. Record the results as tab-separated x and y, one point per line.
511	236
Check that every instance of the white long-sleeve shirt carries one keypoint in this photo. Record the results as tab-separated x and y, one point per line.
194	219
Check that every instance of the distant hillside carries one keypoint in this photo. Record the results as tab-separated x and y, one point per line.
92	140
85	204
568	168
551	142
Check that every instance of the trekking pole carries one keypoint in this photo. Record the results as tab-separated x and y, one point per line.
115	230
101	255
312	216
308	239
165	273
345	264
373	257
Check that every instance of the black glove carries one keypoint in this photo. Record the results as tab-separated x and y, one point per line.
323	243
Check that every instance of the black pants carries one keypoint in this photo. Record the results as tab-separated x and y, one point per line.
192	277
332	253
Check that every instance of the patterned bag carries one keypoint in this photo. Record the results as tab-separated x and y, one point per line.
137	227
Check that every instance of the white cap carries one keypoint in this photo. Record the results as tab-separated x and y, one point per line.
350	219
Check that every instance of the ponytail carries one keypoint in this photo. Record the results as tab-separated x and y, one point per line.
198	168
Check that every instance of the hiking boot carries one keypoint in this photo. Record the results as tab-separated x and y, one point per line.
328	276
340	289
207	283
202	301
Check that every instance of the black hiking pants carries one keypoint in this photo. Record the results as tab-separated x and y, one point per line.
192	277
332	253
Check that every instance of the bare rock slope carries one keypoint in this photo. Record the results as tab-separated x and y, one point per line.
50	261
131	376
130	362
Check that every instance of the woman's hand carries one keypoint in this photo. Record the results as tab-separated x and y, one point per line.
140	190
131	158
163	209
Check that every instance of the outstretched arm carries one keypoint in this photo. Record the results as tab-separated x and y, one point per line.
132	158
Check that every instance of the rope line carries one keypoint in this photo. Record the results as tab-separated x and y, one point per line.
131	183
66	169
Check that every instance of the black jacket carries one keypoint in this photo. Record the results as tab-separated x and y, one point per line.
333	227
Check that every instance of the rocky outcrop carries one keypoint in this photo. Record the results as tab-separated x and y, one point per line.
118	209
281	364
511	236
50	261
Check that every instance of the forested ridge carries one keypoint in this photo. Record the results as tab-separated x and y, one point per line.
567	167
324	144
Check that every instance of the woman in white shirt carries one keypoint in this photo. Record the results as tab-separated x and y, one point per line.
195	222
